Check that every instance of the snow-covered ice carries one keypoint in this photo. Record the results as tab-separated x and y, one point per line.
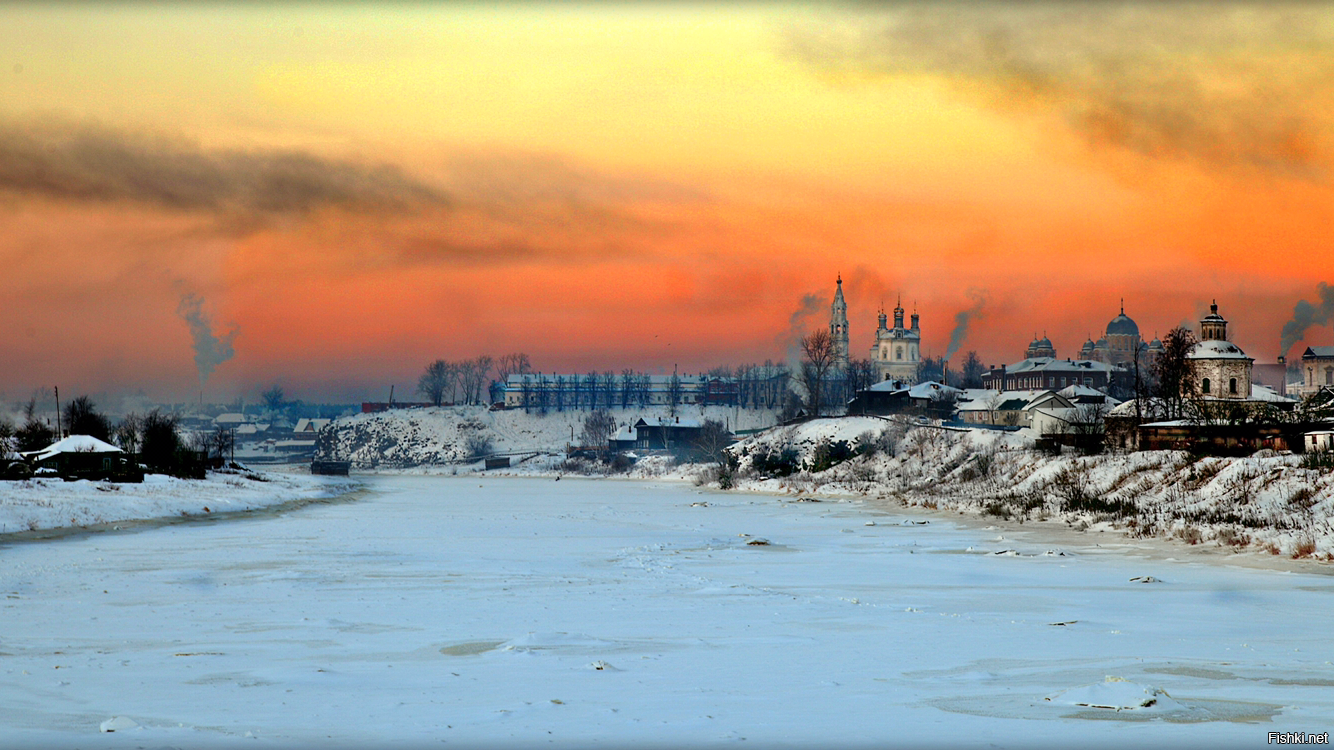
528	612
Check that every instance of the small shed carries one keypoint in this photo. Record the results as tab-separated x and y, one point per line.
1319	440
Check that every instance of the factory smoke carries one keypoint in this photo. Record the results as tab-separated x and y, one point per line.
1305	315
210	350
962	319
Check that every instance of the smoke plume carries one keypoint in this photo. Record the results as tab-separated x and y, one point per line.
1305	315
96	164
811	305
1231	85
210	351
962	319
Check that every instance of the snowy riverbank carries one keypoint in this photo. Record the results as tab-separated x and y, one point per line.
47	504
1265	502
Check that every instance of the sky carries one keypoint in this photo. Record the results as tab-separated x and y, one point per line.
204	200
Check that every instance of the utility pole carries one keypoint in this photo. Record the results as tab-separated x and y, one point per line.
58	429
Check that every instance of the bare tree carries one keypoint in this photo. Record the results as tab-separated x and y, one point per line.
526	392
642	389
543	394
434	381
599	426
1172	369
129	434
628	381
274	398
512	364
83	418
861	375
817	359
971	371
673	392
559	396
608	385
713	437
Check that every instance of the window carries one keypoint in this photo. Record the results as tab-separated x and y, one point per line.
1088	382
1329	376
1232	386
1205	385
898	352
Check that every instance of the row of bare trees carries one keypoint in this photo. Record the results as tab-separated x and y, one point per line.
465	381
592	391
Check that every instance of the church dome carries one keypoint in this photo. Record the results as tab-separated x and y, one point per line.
1155	346
1123	325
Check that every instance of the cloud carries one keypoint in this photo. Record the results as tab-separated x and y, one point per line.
98	164
1231	85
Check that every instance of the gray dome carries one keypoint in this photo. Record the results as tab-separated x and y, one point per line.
1122	324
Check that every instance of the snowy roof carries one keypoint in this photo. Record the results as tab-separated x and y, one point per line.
77	444
984	400
1266	393
931	389
231	418
625	433
1215	349
1051	364
1150	408
310	425
890	386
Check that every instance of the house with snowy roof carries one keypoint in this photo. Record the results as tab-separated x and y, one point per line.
896	397
980	406
666	433
83	456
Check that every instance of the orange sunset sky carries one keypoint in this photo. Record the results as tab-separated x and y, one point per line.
352	190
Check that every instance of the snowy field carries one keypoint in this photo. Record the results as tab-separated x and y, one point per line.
486	612
45	504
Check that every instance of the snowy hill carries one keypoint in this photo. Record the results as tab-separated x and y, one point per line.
442	435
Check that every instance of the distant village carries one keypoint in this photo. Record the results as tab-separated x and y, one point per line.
1191	390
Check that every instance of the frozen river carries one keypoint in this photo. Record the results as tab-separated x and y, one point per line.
527	612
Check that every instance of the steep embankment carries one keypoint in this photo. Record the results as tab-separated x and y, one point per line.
1267	500
457	434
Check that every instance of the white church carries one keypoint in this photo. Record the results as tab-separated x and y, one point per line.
896	351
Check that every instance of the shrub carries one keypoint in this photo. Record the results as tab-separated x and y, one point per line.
829	453
775	461
1318	460
477	445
